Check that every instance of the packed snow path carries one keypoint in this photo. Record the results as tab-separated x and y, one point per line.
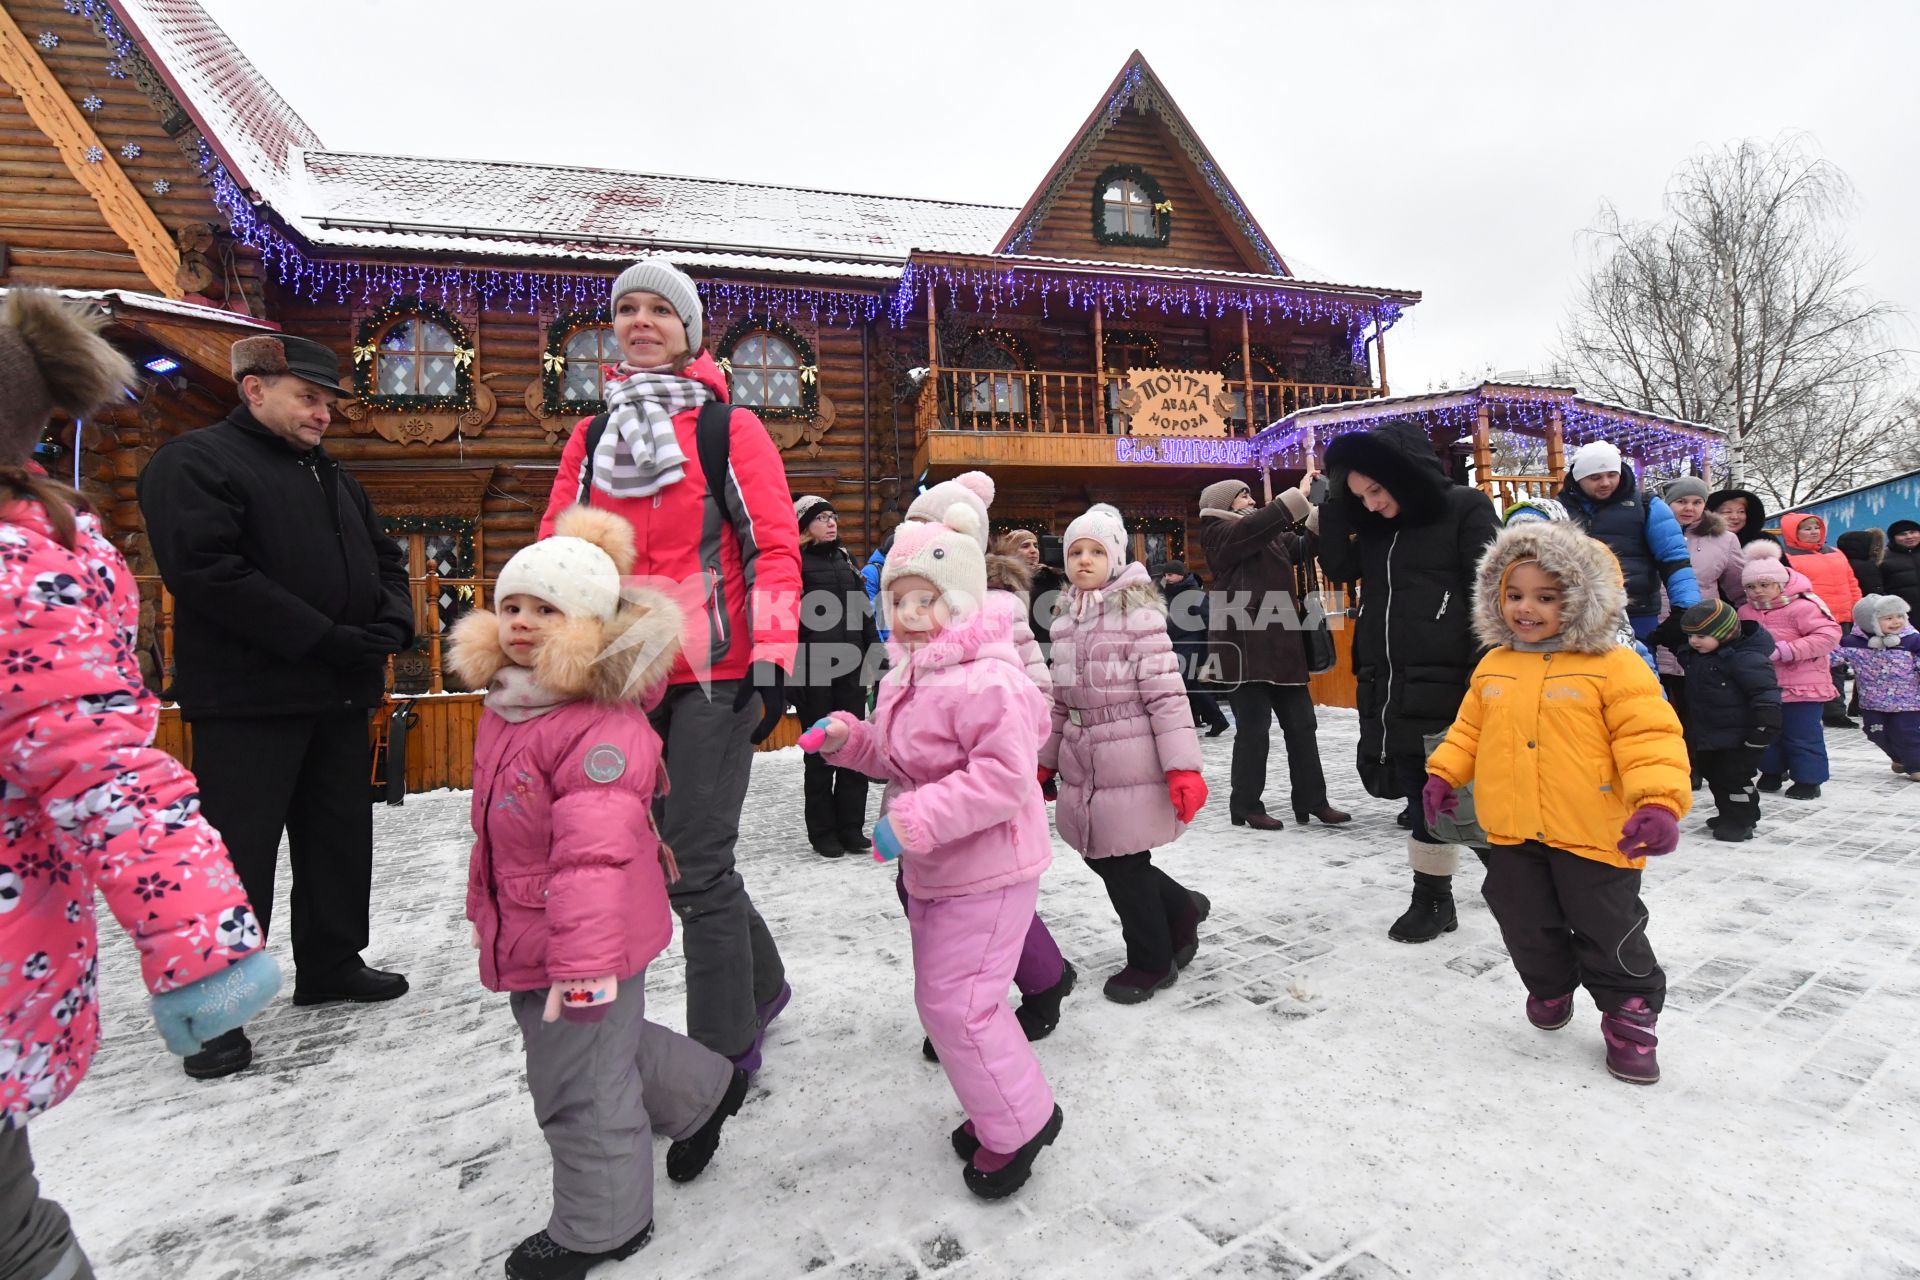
1311	1099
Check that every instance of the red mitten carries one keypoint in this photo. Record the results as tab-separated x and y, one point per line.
1437	798
1650	832
1048	790
1188	791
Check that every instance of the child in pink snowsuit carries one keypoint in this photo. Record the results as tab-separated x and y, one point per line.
567	884
956	731
1781	599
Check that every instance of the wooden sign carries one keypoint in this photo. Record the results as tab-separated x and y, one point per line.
1175	402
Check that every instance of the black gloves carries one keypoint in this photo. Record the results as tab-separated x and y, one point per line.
350	648
396	636
770	682
1762	736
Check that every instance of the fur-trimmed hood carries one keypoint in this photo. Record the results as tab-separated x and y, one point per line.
1132	589
625	660
1401	459
1869	545
1756	510
1709	525
1595	598
1009	573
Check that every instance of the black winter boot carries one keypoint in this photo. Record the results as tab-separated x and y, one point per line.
1431	913
687	1159
541	1257
1039	1013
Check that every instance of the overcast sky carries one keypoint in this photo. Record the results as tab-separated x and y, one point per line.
1454	146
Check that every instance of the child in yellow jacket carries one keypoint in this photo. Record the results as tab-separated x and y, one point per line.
1580	774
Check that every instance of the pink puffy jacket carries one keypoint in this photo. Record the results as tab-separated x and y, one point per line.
86	803
1802	624
1121	720
956	732
565	880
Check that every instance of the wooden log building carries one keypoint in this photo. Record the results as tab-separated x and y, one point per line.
1119	337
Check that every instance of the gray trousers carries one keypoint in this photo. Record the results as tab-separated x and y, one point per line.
36	1240
732	962
601	1090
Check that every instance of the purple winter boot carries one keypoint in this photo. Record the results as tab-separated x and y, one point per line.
748	1059
1550	1015
1628	1032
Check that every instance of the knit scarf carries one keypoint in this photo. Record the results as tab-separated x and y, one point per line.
516	696
1088	604
638	454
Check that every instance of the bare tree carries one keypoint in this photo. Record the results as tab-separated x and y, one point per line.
1740	308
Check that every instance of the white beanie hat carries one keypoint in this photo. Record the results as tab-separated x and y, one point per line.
948	554
807	506
657	275
1592	458
971	489
1104	525
578	570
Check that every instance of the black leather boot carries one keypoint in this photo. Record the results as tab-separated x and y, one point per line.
1431	912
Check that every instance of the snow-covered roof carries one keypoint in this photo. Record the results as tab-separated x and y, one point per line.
1435	401
1094	266
239	113
362	200
165	306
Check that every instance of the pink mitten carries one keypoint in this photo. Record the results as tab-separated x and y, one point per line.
1438	799
816	735
1649	832
1188	791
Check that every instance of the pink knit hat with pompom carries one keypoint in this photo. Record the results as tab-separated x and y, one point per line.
970	489
1763	564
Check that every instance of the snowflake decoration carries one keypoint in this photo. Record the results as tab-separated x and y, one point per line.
130	152
117	71
95	155
91	103
161	186
49	40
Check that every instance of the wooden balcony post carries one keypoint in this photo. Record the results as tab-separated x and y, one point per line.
1483	449
1380	350
1556	445
1246	371
933	337
165	624
434	684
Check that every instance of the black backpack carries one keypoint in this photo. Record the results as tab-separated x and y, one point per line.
712	443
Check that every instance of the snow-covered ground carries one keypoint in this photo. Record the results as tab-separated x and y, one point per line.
1311	1099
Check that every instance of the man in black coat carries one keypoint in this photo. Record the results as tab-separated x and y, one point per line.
1187	628
288	599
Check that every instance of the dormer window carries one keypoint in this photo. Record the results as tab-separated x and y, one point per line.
1130	208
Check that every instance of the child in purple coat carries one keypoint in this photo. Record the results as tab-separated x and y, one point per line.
567	884
955	734
1883	648
1124	747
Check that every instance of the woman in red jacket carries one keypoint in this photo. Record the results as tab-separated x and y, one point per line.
726	551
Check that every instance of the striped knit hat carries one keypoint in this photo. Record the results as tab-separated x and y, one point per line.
1713	618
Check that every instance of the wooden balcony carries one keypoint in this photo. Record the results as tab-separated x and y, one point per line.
1022	418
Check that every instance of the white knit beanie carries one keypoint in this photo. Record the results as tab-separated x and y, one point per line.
948	554
1104	525
571	574
971	489
1592	458
807	506
657	275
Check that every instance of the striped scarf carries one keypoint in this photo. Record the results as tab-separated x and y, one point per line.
638	454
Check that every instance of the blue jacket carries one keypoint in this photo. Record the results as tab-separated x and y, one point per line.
870	575
1643	535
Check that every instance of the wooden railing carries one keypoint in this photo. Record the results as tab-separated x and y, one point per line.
1507	490
1086	403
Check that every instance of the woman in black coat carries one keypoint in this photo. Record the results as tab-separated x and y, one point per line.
1250	552
1865	550
829	673
1413	539
1900	571
1745	515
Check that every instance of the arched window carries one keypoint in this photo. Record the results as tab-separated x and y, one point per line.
770	368
992	378
411	354
1130	208
572	372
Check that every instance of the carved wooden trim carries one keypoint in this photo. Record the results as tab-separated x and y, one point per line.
55	115
404	489
424	426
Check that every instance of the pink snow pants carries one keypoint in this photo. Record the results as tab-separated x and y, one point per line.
964	953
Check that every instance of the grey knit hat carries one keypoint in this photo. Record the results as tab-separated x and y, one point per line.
1220	495
1889	606
808	506
1685	487
657	275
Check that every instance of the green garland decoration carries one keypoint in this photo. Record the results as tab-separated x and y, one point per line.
809	369
553	362
1134	338
366	353
1262	355
1162	207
